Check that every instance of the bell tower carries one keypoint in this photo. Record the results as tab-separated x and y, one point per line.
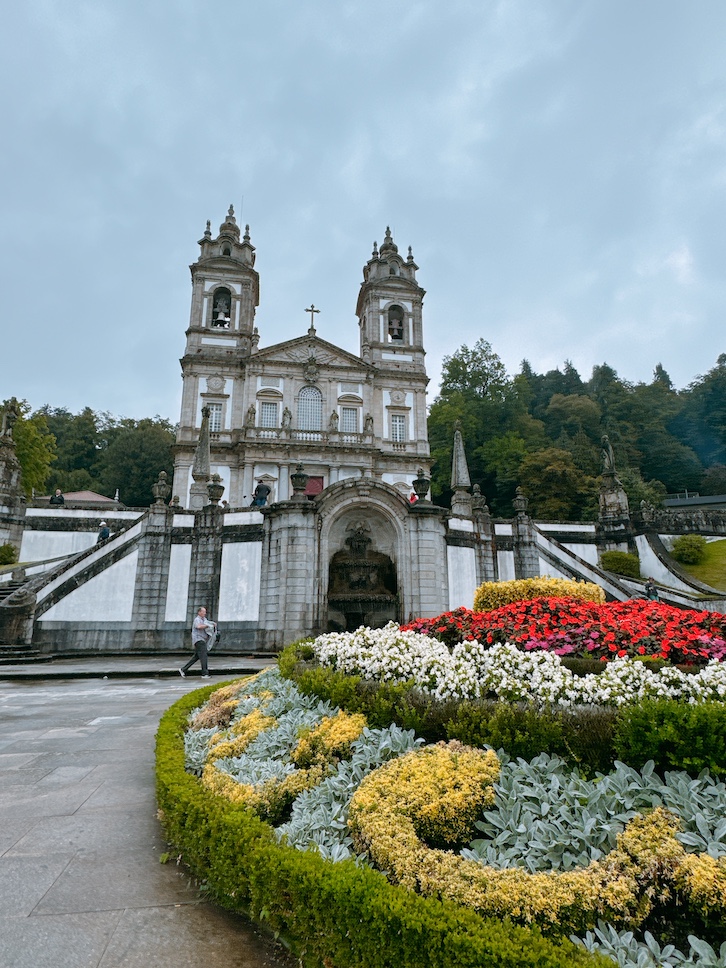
225	291
389	310
221	338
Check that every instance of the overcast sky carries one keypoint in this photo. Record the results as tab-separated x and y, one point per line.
558	167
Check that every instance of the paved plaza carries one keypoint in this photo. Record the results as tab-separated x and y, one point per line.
81	884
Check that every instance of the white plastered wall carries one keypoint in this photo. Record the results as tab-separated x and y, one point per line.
107	597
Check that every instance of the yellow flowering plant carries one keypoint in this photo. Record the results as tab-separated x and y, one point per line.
495	594
404	812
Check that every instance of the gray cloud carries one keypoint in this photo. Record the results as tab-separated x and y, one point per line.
558	168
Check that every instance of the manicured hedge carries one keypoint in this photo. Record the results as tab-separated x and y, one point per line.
676	735
621	563
337	915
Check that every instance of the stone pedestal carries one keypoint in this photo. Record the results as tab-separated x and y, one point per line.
206	563
526	556
614	524
290	582
152	573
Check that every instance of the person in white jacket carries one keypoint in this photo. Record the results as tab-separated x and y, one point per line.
202	631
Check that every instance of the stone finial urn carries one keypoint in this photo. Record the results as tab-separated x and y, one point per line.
215	489
299	481
520	502
421	485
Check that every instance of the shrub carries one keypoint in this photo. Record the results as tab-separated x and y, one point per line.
674	735
582	738
494	594
8	554
621	563
689	549
341	914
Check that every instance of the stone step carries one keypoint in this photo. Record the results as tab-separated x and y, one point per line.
17	653
8	587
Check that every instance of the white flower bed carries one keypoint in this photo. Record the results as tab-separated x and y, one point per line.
470	671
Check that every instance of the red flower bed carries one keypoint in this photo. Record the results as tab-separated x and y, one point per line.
572	627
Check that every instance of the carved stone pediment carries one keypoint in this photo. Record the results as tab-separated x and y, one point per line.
302	350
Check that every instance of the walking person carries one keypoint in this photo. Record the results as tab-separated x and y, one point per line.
202	631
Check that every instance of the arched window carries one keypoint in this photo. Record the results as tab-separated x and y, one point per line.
226	250
310	409
222	308
395	324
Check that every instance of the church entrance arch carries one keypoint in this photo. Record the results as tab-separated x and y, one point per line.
362	574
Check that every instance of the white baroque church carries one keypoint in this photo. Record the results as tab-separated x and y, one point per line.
331	443
303	401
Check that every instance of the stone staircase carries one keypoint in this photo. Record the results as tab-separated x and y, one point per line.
8	587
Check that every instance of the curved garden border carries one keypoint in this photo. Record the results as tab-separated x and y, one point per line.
339	915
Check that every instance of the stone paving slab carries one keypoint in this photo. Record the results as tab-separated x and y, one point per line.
131	666
81	885
66	941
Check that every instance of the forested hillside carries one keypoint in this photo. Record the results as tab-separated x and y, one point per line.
543	431
540	430
92	450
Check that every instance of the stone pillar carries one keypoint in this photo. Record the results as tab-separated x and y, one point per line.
461	506
615	529
152	575
206	563
486	552
201	469
526	556
428	591
290	580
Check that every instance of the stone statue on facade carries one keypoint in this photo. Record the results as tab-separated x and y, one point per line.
368	424
10	416
286	418
613	501
608	456
251	416
333	422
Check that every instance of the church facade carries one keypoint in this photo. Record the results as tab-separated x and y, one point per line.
304	401
291	509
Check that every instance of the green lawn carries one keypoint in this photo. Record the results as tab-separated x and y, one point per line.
712	569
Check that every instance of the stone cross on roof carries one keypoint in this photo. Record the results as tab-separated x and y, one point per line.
312	310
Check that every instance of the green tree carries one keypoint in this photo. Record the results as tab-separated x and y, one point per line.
556	488
572	414
137	450
639	490
34	446
714	480
502	457
663	457
79	441
476	372
702	422
543	386
476	391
